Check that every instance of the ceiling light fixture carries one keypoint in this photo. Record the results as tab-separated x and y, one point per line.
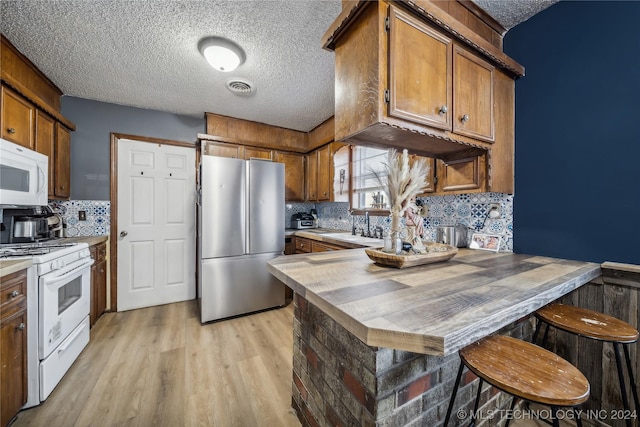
222	54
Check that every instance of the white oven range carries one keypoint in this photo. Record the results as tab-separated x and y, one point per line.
57	310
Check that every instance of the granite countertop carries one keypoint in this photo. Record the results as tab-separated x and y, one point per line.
11	266
434	309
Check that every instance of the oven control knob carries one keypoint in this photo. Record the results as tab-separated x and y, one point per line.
61	263
52	266
85	253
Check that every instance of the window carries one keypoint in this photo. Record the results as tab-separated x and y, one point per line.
367	191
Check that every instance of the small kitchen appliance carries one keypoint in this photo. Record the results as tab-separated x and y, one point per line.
303	220
23	176
452	235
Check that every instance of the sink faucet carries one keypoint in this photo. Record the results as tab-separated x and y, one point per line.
368	232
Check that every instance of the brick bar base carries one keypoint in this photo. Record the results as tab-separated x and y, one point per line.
340	381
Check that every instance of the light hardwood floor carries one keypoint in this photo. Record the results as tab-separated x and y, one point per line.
159	367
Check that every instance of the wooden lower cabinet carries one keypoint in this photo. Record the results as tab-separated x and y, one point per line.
13	342
304	245
98	282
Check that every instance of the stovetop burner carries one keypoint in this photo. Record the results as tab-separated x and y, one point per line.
26	249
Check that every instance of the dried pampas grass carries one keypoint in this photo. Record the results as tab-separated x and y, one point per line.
403	182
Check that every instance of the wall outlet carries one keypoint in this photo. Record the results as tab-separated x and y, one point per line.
82	215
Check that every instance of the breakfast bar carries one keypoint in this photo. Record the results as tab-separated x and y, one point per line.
378	346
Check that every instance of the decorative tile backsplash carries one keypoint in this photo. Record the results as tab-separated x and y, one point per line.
98	216
470	210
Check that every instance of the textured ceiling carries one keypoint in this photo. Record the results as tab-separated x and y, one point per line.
143	53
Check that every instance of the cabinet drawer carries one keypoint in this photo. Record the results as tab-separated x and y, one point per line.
303	245
13	293
324	247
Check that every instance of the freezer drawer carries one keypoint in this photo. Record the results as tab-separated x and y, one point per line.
238	285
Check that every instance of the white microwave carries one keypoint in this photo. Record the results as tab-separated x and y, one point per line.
23	176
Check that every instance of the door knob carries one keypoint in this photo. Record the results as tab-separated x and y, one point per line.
11	130
123	233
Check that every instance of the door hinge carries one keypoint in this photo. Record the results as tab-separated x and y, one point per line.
387	23
387	95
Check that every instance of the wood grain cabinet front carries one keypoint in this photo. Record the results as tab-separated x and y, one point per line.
98	282
434	82
18	116
13	342
293	175
46	144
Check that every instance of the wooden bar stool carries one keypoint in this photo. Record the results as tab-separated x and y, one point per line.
596	326
525	371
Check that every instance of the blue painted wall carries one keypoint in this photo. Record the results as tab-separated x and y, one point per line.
91	142
578	132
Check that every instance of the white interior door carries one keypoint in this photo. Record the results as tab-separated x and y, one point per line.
156	224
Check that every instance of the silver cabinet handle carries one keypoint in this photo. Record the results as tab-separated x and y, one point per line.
21	327
14	294
464	118
443	110
11	130
123	234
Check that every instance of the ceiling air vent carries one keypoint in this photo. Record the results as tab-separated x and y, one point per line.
240	87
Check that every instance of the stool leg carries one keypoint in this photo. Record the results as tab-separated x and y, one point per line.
623	390
546	334
554	415
476	404
634	388
453	395
537	331
513	405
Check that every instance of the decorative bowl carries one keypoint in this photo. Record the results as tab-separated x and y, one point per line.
438	252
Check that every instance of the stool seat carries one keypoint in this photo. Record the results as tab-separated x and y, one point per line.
588	323
526	371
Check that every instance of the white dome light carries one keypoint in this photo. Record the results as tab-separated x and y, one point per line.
222	54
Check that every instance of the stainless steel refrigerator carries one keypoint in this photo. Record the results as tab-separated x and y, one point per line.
240	228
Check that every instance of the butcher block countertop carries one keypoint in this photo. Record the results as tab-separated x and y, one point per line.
8	267
434	309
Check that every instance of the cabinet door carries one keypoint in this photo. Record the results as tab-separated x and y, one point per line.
432	177
293	175
312	176
45	144
222	149
472	96
325	169
13	366
461	175
62	156
303	245
18	116
257	153
419	72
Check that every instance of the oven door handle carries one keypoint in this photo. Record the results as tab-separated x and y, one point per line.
65	276
71	338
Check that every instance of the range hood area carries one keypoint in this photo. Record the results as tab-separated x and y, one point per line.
411	74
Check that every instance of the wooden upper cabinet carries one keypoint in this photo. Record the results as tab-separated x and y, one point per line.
473	89
257	153
311	161
325	173
62	162
419	71
430	188
462	175
222	149
293	175
45	144
18	116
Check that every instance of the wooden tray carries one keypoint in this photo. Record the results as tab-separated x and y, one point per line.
401	261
